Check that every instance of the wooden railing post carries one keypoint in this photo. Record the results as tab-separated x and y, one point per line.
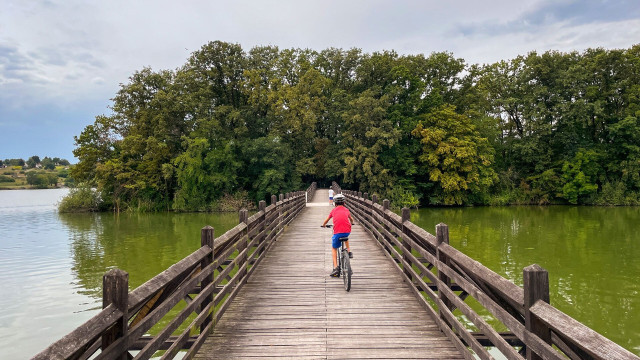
274	199
442	236
374	198
243	216
406	248
280	212
206	239
115	290
536	287
262	206
385	207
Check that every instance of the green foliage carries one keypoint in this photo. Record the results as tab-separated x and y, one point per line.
48	163
6	179
80	199
401	198
616	193
41	179
454	155
33	161
541	128
579	176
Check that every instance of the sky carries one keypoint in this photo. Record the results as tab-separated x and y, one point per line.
61	61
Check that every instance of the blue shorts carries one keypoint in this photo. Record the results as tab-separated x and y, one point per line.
335	242
330	197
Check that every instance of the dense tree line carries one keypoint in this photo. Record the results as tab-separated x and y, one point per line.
541	128
34	162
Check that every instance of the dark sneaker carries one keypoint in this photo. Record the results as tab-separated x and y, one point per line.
335	272
350	255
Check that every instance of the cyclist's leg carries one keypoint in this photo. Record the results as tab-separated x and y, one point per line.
334	256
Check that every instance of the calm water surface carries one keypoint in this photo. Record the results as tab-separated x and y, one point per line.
592	255
51	264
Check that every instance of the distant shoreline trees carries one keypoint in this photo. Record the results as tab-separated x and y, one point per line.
537	129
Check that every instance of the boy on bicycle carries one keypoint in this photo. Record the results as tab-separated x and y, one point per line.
342	222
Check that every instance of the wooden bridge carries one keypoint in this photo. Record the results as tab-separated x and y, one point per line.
262	290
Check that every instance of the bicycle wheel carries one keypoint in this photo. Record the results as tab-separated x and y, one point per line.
346	270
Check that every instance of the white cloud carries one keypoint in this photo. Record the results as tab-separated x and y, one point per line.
68	50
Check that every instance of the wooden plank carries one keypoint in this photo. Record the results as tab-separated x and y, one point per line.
582	336
511	292
290	308
73	344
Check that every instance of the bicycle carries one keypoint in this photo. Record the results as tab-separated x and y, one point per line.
344	264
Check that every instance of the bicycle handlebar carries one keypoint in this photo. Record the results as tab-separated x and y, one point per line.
327	226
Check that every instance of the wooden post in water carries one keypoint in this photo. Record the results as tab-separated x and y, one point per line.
406	248
115	290
442	236
206	239
536	287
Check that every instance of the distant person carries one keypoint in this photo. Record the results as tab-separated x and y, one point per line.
330	196
342	222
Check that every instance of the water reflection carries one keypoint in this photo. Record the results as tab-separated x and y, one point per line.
141	244
591	255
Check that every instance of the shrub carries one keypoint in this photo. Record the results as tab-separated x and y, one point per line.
6	179
235	202
80	199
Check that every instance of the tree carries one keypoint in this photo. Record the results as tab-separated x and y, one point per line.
48	164
33	161
579	176
454	156
368	133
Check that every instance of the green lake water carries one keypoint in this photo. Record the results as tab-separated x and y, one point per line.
51	264
592	255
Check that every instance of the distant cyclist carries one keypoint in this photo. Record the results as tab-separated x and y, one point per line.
342	222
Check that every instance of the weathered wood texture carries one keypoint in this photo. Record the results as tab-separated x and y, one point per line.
291	308
207	281
538	330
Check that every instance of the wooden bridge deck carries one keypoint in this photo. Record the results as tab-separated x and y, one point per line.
293	309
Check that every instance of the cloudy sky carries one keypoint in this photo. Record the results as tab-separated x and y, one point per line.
62	60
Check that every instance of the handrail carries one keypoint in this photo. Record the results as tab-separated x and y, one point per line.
208	280
447	277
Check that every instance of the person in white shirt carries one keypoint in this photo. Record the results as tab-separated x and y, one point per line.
330	196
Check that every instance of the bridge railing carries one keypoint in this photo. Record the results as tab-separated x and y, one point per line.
311	191
442	278
204	283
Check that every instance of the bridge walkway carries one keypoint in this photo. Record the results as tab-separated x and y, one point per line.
291	308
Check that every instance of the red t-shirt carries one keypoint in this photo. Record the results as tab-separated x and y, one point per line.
341	223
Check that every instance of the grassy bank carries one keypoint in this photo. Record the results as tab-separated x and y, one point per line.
16	177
